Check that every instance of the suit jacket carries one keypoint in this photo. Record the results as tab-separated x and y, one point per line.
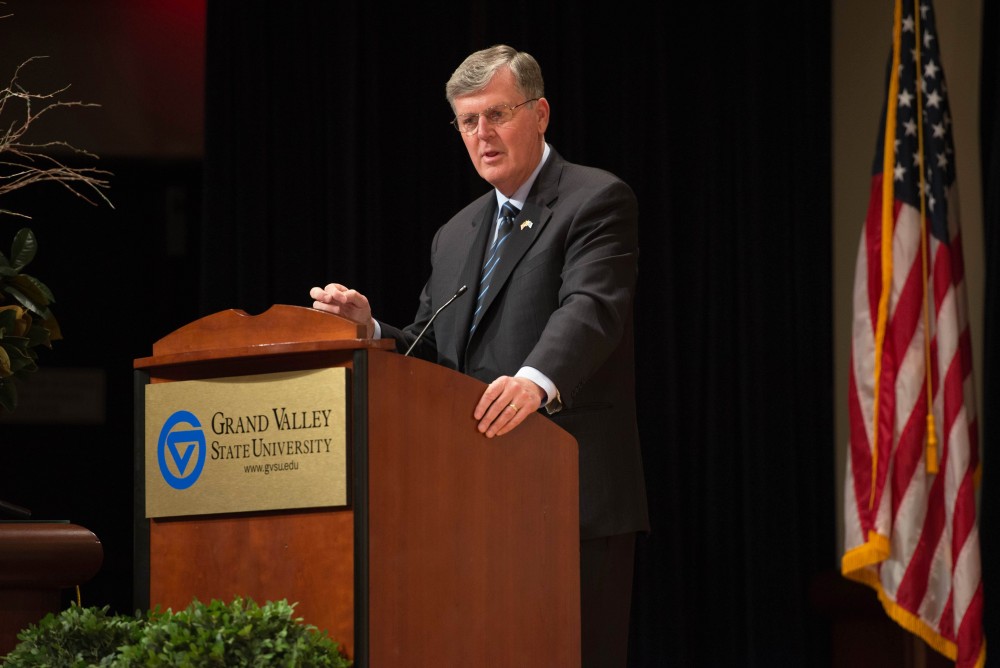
560	301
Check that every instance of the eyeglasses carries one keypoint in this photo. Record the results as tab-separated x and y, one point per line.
500	114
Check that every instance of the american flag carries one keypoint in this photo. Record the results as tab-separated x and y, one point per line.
913	463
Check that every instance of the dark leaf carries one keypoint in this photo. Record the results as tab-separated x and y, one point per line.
34	288
23	249
25	301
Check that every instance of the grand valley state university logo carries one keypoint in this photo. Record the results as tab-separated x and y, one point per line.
181	450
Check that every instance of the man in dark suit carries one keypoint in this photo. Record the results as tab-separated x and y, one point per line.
550	257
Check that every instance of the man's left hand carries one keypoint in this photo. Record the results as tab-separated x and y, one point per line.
505	404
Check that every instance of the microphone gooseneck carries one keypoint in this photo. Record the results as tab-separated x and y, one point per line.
459	293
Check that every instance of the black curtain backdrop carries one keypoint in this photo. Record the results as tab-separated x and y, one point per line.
989	128
329	157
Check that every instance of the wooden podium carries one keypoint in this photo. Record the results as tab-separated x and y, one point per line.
452	550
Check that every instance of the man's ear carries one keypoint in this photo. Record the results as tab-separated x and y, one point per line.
542	114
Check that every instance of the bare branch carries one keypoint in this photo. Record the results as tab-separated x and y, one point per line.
23	163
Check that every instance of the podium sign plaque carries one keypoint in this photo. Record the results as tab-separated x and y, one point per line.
247	443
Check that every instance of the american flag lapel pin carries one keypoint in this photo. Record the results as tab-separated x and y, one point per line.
526	223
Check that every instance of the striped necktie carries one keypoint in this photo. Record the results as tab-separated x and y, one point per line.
508	212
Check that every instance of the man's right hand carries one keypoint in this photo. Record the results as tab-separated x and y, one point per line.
347	303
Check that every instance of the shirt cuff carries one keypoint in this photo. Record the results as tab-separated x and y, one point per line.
553	403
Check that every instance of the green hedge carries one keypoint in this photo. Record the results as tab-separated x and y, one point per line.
240	633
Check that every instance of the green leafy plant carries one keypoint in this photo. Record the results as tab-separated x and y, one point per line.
75	638
26	321
239	633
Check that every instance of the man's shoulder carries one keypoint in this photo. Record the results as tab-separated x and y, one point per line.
573	174
590	174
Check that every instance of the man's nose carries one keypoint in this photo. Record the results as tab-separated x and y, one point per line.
484	127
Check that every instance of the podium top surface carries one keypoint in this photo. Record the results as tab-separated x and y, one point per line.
282	329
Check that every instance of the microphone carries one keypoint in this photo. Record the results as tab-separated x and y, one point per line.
13	510
461	291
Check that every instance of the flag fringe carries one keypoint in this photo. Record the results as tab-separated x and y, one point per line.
854	563
916	626
861	565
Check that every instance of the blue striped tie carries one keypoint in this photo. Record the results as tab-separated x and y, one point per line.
508	212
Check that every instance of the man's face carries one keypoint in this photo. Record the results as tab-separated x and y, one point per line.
505	155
